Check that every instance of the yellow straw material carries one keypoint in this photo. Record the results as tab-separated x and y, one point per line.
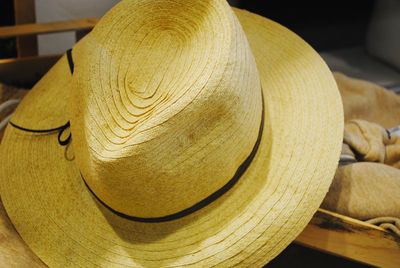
165	103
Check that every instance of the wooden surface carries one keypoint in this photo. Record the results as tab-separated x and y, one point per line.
46	28
349	238
24	11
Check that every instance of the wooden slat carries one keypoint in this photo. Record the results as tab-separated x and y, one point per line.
46	28
349	238
24	11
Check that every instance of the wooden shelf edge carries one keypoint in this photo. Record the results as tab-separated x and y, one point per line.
352	239
47	28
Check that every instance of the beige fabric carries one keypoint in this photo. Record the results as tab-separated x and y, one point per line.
372	143
364	191
368	101
393	153
367	139
371	187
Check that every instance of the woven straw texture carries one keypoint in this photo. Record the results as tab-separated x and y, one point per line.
63	223
174	78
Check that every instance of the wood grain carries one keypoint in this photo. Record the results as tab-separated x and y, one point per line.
350	238
46	28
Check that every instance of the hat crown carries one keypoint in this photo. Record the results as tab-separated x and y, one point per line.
167	104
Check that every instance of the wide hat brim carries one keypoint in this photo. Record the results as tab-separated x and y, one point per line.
65	225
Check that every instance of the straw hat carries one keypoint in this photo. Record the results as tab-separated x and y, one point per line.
190	145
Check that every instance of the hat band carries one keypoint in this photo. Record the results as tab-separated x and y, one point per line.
206	201
199	205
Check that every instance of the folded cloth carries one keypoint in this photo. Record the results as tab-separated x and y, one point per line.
393	149
367	183
368	101
365	191
373	143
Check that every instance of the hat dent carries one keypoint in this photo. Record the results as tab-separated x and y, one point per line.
158	103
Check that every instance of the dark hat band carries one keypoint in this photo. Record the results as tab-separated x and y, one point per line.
201	204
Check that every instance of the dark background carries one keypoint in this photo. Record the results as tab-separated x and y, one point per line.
7	46
325	24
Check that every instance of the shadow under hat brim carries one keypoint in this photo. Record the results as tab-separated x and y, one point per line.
62	222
